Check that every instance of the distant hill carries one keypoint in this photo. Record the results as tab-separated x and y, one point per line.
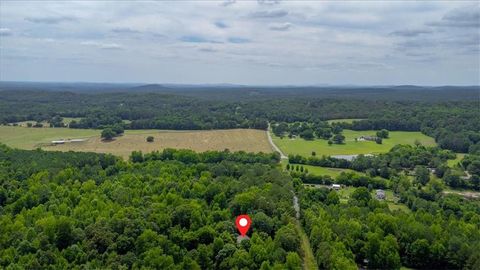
243	92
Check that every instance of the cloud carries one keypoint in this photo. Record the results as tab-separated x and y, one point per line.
209	50
103	46
411	32
50	20
269	14
220	24
280	27
268	2
125	30
466	17
197	39
4	32
238	40
227	3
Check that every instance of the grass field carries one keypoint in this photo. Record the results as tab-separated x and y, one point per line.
236	139
29	138
333	172
453	162
321	147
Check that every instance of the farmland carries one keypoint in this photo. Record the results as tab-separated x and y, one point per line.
350	147
234	140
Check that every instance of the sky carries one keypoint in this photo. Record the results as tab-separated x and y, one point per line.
264	42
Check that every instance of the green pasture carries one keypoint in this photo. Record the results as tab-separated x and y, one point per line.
454	162
350	147
30	138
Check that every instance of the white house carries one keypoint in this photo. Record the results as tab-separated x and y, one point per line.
335	186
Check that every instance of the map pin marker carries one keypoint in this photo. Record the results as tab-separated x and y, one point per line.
243	223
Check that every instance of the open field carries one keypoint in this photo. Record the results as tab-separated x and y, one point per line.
333	172
30	138
350	147
237	139
453	162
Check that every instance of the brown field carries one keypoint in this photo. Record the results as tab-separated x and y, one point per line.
248	140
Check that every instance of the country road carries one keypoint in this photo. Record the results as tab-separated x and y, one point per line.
309	262
282	155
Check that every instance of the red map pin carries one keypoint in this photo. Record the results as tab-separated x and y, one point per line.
243	223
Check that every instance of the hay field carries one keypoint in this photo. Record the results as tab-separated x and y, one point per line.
248	140
200	141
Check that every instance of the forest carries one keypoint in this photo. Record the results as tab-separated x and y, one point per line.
176	209
454	123
168	210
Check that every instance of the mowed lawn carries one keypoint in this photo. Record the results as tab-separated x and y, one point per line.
350	147
248	140
30	138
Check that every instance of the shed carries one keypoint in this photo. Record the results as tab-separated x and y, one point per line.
380	194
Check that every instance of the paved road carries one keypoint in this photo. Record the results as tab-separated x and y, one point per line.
282	155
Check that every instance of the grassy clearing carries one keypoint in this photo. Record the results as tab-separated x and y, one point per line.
333	172
29	138
321	147
235	140
453	162
68	120
346	120
392	201
309	262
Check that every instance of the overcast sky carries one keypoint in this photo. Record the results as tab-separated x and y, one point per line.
242	42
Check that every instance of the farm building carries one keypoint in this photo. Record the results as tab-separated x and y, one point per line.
349	157
380	194
367	138
58	142
335	186
77	140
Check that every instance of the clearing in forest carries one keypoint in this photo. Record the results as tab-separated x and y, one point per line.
350	147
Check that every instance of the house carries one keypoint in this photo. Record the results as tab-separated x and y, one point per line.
380	194
367	138
335	186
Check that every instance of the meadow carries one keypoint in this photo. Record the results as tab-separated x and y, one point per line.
350	147
248	140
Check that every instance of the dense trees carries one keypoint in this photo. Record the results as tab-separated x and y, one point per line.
365	232
173	209
454	125
108	134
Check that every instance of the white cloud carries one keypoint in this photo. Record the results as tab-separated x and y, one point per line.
244	39
101	45
5	32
